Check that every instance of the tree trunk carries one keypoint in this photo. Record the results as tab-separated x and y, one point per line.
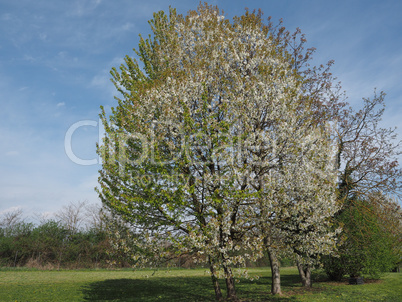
15	259
215	282
230	286
305	274
276	277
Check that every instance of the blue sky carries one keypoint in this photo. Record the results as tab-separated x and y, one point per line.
55	58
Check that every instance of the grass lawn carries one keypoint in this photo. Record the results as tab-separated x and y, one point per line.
178	285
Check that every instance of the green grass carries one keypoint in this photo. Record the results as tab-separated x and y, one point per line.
178	285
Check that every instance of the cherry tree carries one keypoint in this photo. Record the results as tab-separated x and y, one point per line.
214	148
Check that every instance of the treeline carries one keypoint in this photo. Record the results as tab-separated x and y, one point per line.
74	238
77	237
51	245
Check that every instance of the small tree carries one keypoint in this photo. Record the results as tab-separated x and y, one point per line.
369	240
72	216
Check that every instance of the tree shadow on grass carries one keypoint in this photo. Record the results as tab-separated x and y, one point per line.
152	289
182	289
260	290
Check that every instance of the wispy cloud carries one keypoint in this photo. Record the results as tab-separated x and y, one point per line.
82	8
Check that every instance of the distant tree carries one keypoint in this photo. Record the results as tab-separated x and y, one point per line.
94	217
72	216
49	242
15	243
11	218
